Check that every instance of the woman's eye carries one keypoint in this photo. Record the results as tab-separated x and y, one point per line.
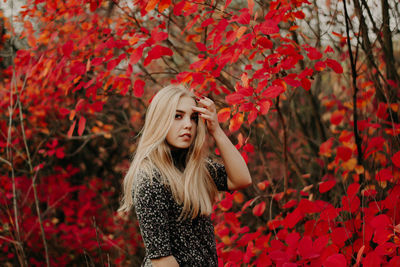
178	116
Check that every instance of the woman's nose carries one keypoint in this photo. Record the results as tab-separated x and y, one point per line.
187	123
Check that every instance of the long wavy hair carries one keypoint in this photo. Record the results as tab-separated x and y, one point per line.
193	188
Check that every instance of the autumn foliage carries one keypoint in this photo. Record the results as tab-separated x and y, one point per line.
317	121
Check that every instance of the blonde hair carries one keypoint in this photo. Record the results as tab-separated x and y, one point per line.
193	188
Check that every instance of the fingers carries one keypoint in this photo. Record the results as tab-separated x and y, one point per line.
206	102
204	113
200	110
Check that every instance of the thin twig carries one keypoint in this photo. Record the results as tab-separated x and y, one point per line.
354	79
33	181
285	148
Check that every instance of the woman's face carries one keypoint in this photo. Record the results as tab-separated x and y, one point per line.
184	126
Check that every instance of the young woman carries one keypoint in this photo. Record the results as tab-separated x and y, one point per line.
172	184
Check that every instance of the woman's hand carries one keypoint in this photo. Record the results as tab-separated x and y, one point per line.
236	167
208	112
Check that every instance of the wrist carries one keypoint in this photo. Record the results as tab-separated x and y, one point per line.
218	133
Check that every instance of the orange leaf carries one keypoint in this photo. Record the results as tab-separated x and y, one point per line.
325	148
163	5
81	127
71	129
359	255
250	4
151	5
241	31
224	114
236	122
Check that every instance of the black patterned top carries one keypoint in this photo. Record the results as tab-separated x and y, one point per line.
190	241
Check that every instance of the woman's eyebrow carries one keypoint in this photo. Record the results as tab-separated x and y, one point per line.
180	111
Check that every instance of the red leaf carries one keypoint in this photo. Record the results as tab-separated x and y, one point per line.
380	221
269	26
337	117
81	126
67	48
138	88
201	47
71	129
60	153
395	261
306	84
227	202
372	260
273	91
384	175
320	243
97	61
335	260
313	53
157	52
94	4
252	116
293	218
305	248
333	64
191	23
224	114
234	98
344	153
265	42
382	111
80	104
259	209
112	64
289	204
396	159
244	17
136	55
339	235
64	111
306	72
325	148
320	66
292	239
350	204
264	107
227	3
328	49
326	186
179	7
353	189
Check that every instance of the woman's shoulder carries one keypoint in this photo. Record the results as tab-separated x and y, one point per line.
213	165
148	175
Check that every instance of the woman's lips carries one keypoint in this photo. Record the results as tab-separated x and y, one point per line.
188	136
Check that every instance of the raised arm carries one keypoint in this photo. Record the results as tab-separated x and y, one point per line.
236	167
